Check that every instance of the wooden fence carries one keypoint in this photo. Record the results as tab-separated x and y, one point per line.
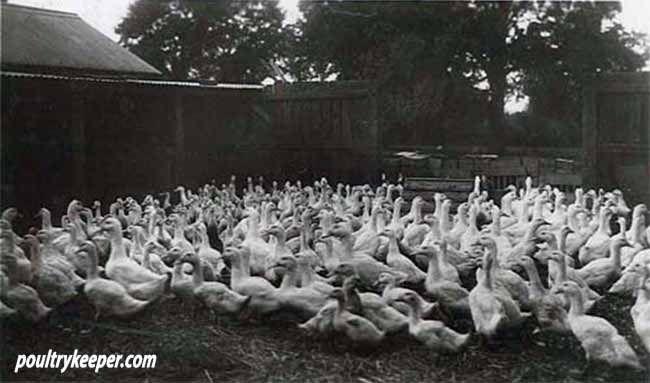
616	134
326	129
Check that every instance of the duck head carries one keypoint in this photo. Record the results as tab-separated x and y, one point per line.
10	214
340	229
410	298
569	288
343	270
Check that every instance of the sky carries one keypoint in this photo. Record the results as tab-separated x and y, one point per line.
104	15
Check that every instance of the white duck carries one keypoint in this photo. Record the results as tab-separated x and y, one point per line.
141	283
600	340
108	297
432	333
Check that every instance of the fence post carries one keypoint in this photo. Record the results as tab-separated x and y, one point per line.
179	137
589	137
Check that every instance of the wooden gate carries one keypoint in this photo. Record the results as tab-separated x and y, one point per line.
616	134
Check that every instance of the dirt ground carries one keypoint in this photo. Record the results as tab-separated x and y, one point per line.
199	346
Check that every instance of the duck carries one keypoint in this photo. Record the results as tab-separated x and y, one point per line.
564	273
417	230
597	246
506	280
46	223
638	226
640	311
372	307
264	296
603	272
214	295
54	287
23	272
211	259
258	248
153	262
19	296
5	311
182	284
303	300
365	266
547	307
308	277
439	250
453	236
279	250
140	282
448	292
432	333
492	310
599	339
357	328
471	234
503	243
367	240
399	262
109	298
391	294
52	257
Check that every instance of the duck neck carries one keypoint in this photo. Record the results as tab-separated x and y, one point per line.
577	304
535	281
496	224
562	242
393	247
643	295
415	314
433	271
289	280
615	250
487	272
396	213
538	209
36	257
472	220
348	245
178	230
603	222
281	241
561	269
93	266
117	245
444	219
146	258
197	273
306	274
46	220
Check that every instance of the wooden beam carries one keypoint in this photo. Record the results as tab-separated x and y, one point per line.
179	138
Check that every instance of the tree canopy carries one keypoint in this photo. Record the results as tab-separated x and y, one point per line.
225	40
547	50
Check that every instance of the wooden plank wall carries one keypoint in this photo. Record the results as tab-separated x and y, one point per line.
326	130
616	132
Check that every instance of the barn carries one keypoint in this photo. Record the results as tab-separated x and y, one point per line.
82	117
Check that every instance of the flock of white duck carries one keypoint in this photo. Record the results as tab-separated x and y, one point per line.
287	249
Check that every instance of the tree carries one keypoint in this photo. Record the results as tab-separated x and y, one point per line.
498	47
225	41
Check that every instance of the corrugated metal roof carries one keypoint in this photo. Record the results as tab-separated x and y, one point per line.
132	81
53	40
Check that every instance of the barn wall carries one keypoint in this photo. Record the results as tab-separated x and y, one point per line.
99	140
65	138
